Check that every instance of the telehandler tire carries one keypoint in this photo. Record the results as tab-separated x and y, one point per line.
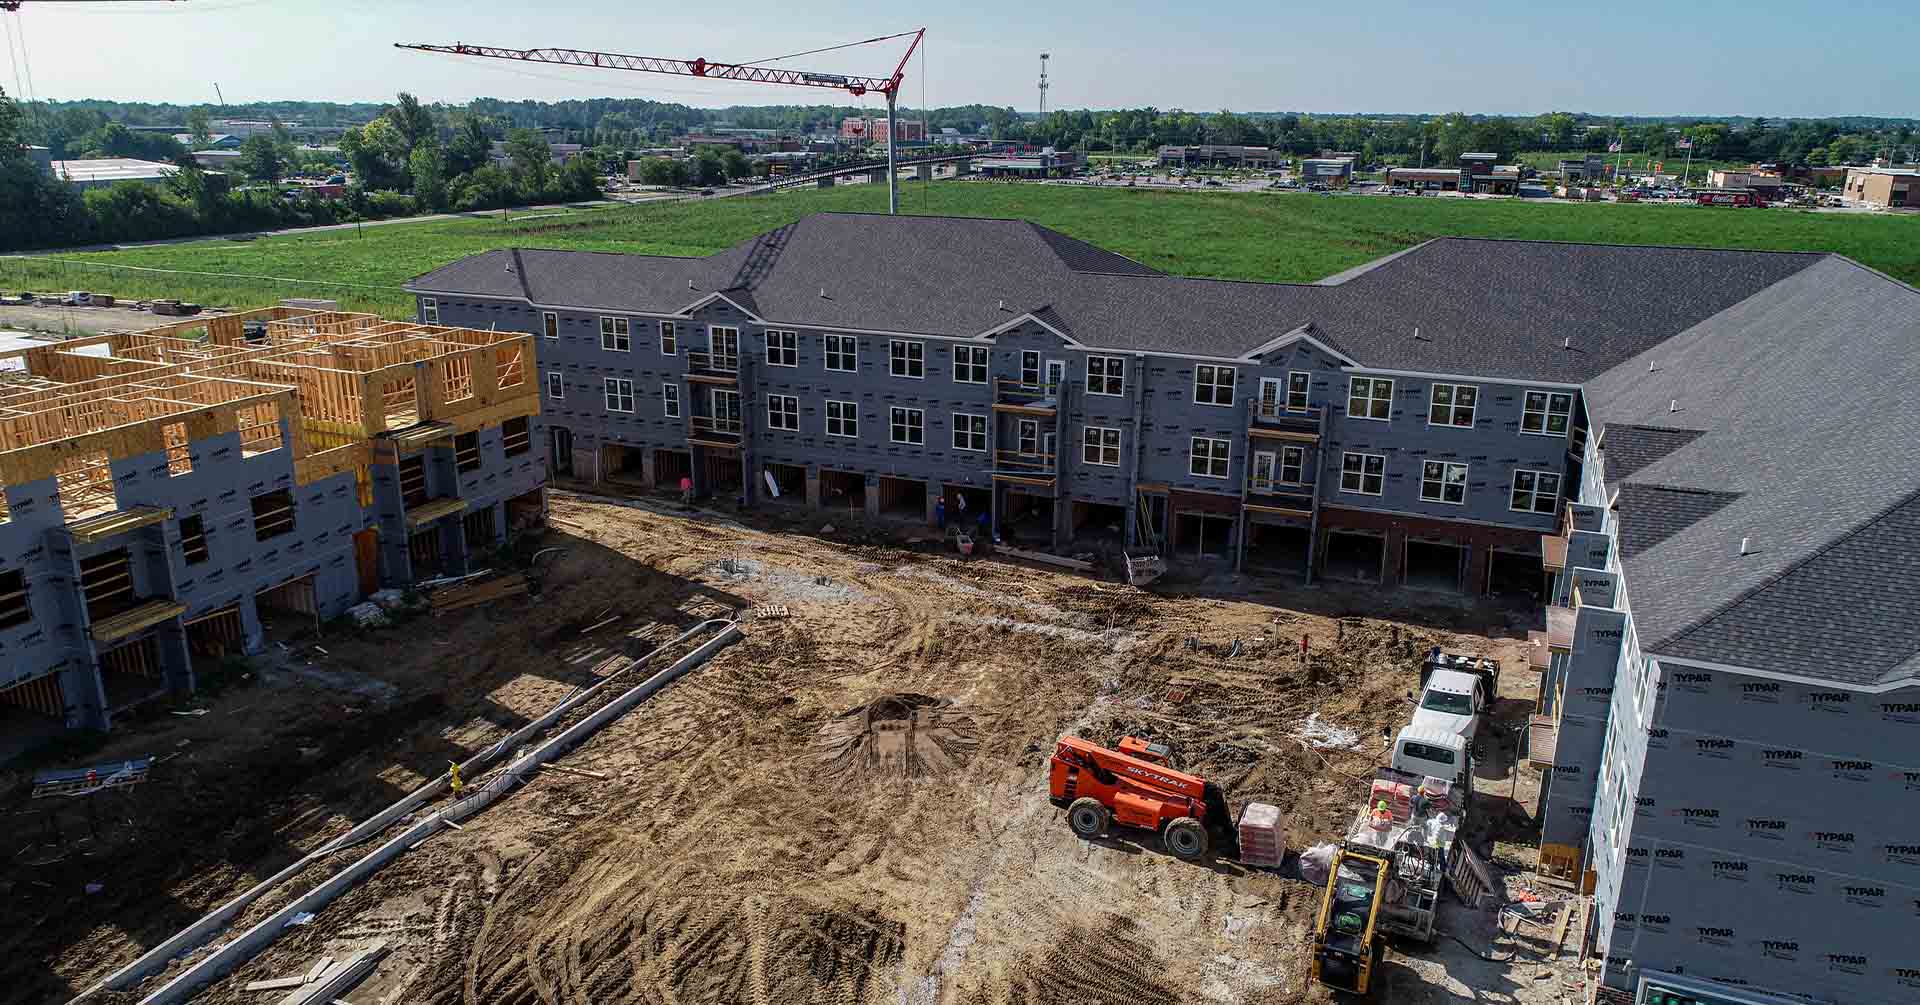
1088	818
1186	838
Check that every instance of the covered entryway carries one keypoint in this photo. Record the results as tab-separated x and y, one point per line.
786	483
211	638
1026	520
1202	535
969	508
1099	525
905	498
132	674
623	464
1355	556
843	490
293	606
669	467
724	478
1273	547
1515	576
1435	565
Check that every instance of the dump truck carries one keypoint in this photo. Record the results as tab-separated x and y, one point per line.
1136	786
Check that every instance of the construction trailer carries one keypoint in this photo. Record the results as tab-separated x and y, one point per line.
166	496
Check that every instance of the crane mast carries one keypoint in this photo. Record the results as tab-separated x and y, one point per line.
699	67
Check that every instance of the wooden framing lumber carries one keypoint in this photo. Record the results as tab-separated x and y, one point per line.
433	511
119	522
129	621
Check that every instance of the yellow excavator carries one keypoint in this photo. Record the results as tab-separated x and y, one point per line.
1346	939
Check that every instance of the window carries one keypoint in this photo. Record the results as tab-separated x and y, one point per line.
783	412
556	385
1208	457
272	514
1107	375
1443	481
1298	384
1030	367
13	598
173	436
669	339
670	400
1535	491
613	335
1100	445
516	436
842	353
551	323
724	345
193	539
430	310
1028	436
906	359
1212	385
466	452
907	425
1363	473
1370	398
1293	463
1452	405
843	419
969	431
1546	413
619	394
969	364
783	348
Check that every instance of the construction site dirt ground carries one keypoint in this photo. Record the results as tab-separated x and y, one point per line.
847	805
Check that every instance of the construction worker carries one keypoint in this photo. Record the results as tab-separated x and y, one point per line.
453	770
1382	816
940	512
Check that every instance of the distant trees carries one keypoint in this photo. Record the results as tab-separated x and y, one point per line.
198	127
260	159
531	157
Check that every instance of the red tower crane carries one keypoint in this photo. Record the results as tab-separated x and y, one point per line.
756	72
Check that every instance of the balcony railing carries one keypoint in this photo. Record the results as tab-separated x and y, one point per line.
710	362
1278	412
711	425
1009	391
1021	462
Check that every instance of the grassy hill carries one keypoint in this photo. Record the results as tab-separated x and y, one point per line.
1275	237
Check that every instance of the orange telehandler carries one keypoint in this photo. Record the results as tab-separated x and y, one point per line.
1136	787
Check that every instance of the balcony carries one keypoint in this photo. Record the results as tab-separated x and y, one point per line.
1024	466
1271	495
1275	420
712	431
713	368
1026	397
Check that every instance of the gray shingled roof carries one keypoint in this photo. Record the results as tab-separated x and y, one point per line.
1484	308
1798	419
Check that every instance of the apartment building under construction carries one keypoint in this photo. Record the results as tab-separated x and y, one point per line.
169	497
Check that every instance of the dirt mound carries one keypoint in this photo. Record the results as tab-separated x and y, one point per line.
898	736
1114	965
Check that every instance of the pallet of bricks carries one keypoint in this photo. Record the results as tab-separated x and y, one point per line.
472	592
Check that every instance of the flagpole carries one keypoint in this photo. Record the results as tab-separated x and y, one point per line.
1620	151
1687	172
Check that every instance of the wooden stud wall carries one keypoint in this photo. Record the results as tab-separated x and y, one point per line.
41	694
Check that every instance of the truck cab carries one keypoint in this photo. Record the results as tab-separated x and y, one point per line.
1433	753
1453	702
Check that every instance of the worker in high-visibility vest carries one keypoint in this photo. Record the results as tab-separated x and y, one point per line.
453	770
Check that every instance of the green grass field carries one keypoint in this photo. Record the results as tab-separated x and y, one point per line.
1260	236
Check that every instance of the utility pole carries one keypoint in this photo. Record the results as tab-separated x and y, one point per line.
1043	85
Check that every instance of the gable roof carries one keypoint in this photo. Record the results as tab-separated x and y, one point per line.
1786	420
1526	310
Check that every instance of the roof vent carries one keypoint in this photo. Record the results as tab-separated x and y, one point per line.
823	293
1673	405
1568	344
1417	337
1746	546
1650	366
691	286
1003	305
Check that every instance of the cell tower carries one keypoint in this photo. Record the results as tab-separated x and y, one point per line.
1043	85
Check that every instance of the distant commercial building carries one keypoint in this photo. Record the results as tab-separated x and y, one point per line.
1480	173
1589	168
104	171
1890	187
218	141
1216	155
1047	163
562	152
1335	172
1764	184
873	128
1434	179
216	158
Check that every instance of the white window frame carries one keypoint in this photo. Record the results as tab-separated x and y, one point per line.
783	347
1295	458
1213	384
1452	406
616	390
849	349
1095	447
778	417
550	324
1546	412
973	427
721	360
669	339
1107	377
1446	479
1534	493
670	400
1218	453
430	310
1370	398
968	359
1305	391
1024	443
912	420
1360	473
847	415
556	385
616	334
913	357
1030	371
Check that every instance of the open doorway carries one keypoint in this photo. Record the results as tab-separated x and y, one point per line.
562	456
623	464
725	479
905	498
31	712
528	509
423	553
1026	520
211	638
1273	547
843	490
669	467
1516	577
292	607
1355	556
1434	565
786	483
131	673
1099	525
968	508
1202	535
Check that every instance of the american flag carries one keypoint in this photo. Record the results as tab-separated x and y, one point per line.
1614	147
1684	144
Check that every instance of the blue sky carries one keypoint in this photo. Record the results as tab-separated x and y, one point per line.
1706	57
